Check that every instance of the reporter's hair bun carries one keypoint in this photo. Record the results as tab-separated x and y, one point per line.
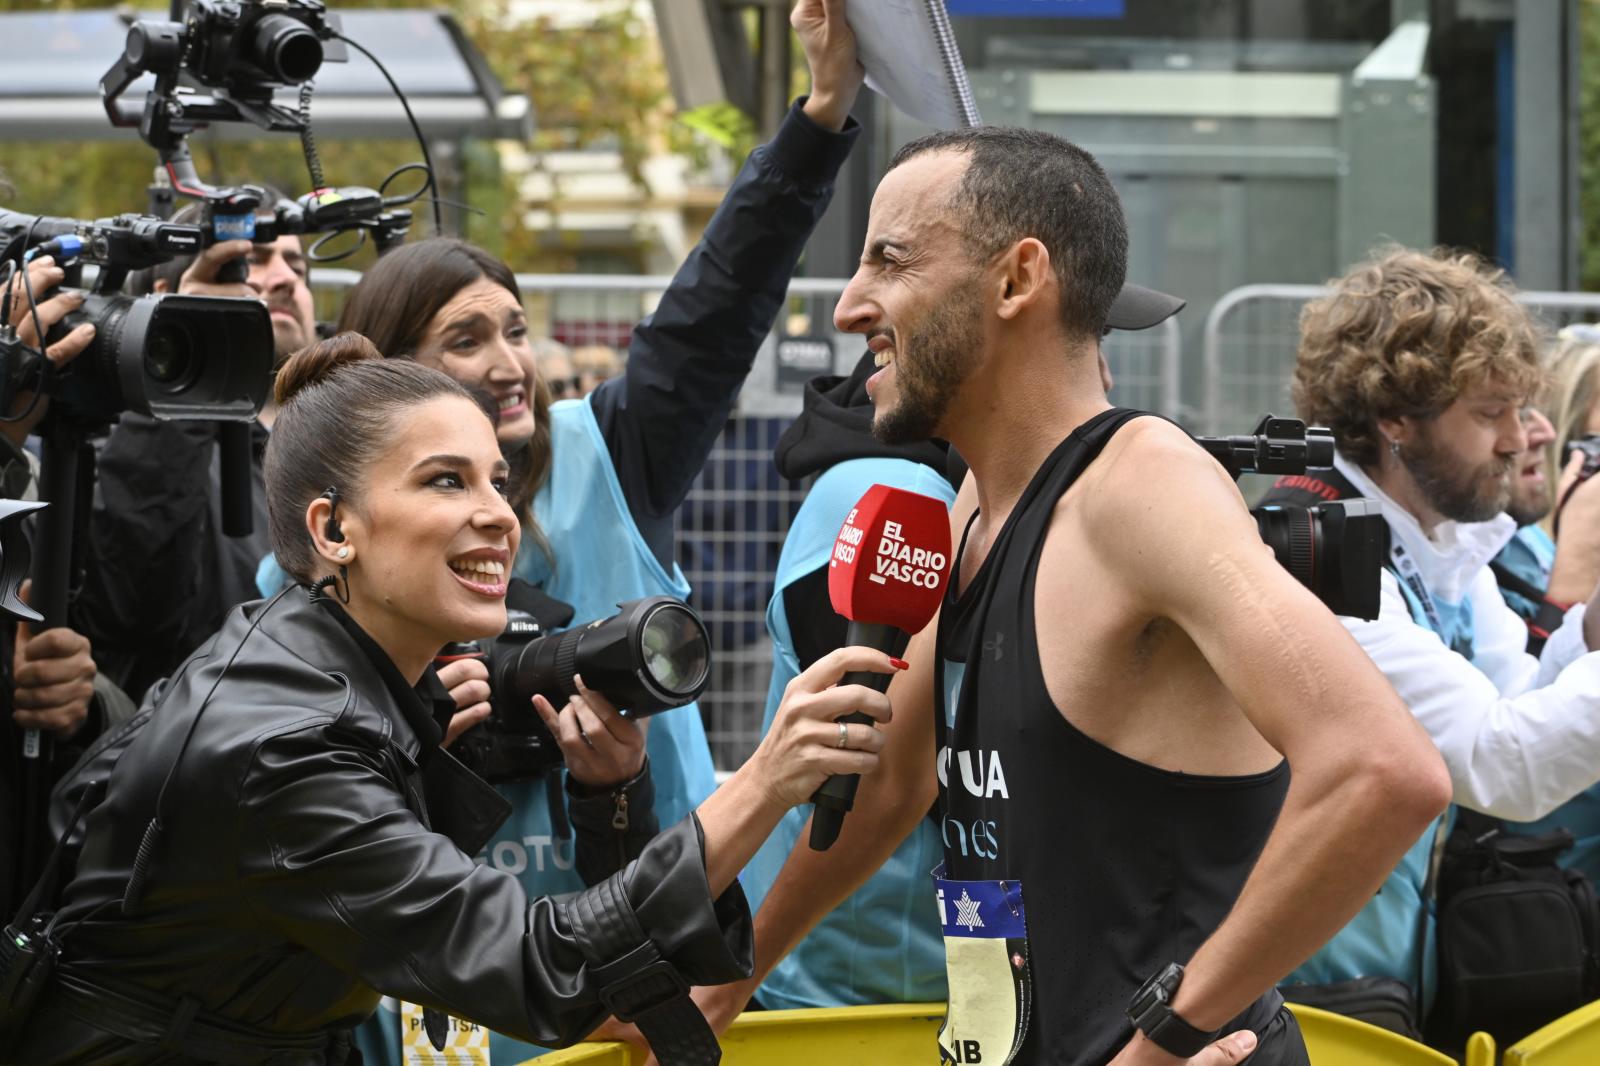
320	361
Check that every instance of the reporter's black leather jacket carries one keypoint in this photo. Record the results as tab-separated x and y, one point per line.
313	854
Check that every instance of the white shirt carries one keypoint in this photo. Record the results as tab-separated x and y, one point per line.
1520	735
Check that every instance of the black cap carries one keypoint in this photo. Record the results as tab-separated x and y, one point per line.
1137	307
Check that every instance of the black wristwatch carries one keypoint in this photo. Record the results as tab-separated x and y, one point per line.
1151	1013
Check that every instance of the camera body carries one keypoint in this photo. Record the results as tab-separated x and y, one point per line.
250	45
1589	446
652	655
1335	549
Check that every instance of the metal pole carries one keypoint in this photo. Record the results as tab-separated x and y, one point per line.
774	66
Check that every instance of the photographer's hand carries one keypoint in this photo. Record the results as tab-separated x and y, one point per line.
54	677
830	47
602	748
43	276
468	682
201	277
1576	571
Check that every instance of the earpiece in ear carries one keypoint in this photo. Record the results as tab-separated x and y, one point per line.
332	530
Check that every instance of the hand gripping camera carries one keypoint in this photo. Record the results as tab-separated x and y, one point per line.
651	656
1335	549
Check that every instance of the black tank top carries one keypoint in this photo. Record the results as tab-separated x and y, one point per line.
1124	867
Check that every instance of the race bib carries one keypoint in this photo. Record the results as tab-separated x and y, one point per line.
986	961
465	1044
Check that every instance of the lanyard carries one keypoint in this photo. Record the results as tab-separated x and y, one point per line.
1408	571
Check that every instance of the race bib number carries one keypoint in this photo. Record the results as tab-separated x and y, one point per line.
466	1043
987	963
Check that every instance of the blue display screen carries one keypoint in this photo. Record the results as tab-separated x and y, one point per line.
1055	9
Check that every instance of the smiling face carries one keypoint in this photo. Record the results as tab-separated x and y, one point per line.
917	297
430	535
480	338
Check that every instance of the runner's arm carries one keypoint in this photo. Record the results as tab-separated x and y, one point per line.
1365	780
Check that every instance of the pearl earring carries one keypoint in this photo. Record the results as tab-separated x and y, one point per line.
1394	448
342	553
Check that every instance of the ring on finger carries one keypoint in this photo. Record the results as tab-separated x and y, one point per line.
844	736
585	738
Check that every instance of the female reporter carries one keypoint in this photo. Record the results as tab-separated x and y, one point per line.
285	840
597	482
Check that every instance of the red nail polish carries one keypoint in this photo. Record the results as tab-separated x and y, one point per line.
899	664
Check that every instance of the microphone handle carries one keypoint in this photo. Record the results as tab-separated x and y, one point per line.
838	793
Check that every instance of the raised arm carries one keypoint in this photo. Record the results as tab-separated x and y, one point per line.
688	359
1365	780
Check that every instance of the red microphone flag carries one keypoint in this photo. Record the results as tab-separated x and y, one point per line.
891	559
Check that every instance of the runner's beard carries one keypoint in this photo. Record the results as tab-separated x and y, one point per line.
931	366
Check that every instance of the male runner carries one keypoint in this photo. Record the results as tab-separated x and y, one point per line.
1121	674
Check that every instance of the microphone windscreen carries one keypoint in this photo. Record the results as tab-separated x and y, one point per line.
891	559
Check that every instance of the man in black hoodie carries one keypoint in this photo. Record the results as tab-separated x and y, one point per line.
884	943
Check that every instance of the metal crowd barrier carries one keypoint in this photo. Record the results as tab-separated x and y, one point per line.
731	527
1253	332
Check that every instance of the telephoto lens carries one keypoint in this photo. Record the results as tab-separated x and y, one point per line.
651	656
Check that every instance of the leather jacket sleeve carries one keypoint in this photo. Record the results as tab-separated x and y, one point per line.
611	826
330	856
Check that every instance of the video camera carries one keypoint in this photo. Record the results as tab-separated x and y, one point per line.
171	357
652	656
244	51
1335	549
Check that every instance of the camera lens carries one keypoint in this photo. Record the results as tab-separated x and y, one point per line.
674	649
169	357
286	49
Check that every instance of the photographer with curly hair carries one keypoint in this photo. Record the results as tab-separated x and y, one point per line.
1422	365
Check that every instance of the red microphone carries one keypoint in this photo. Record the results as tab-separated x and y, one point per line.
886	576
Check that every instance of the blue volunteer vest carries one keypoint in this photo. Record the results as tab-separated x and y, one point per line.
883	944
1394	934
1529	555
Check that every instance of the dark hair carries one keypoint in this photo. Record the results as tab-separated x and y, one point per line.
337	403
396	301
143	282
1024	183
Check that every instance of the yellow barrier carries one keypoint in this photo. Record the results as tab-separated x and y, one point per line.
1334	1040
1572	1040
1480	1050
895	1033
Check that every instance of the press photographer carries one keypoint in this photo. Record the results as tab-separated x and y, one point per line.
1427	411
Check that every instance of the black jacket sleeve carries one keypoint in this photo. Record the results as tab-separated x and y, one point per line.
330	856
611	826
688	359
